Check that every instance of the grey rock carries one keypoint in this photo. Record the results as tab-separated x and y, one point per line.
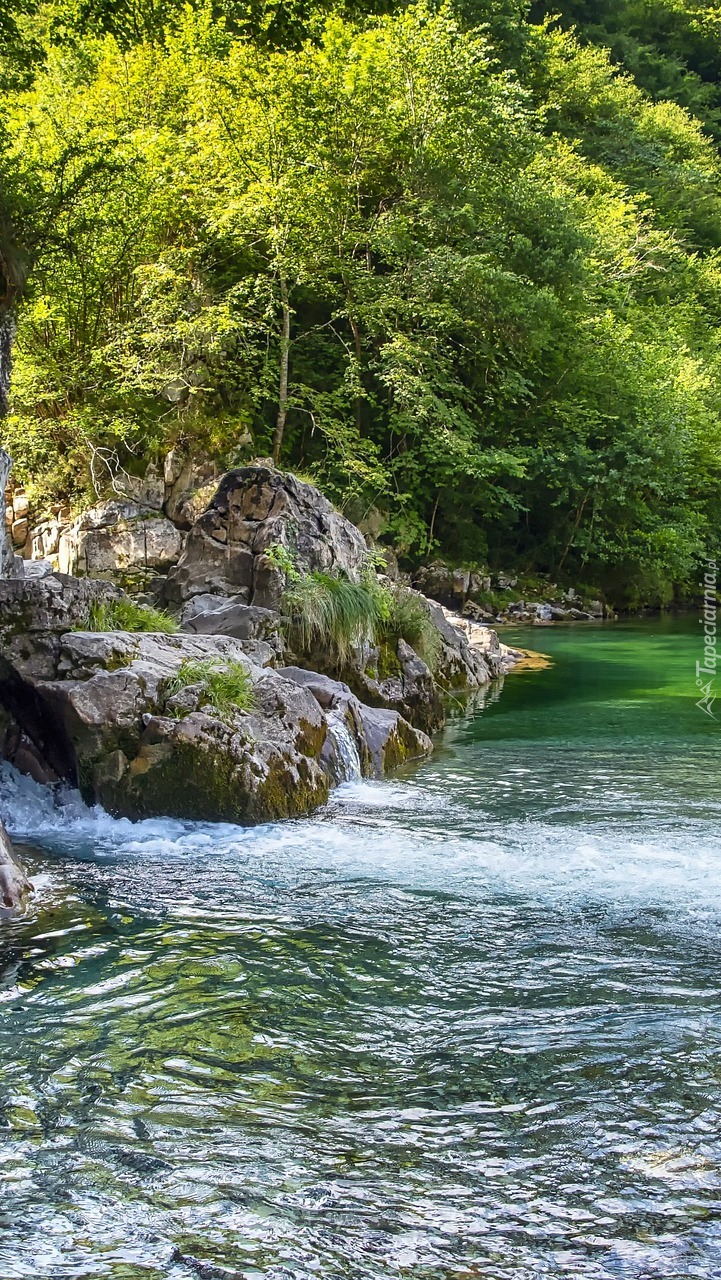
412	691
223	615
116	538
100	710
14	885
383	737
255	508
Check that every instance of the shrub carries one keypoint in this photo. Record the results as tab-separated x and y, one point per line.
127	615
408	619
332	613
226	686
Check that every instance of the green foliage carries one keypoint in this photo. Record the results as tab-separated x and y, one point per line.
456	264
226	687
333	614
408	619
280	558
127	615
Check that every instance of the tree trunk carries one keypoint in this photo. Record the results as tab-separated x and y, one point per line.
7	330
357	400
284	365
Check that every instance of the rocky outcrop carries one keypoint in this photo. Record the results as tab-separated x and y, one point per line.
106	711
484	598
103	711
396	679
382	738
471	653
14	885
254	509
120	539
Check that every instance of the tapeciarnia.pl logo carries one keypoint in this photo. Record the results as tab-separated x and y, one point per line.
706	672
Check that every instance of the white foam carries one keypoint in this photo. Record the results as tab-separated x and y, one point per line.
386	832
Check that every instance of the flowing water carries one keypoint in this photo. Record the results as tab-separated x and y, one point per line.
465	1023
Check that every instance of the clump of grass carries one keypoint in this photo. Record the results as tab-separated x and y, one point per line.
408	619
127	615
226	686
332	613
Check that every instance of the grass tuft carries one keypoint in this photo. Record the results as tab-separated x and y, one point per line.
332	613
226	686
126	615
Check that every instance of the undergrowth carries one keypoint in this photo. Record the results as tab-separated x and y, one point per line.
127	615
226	686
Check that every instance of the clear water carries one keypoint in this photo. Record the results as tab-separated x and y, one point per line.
465	1023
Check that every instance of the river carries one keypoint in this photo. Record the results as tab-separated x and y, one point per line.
465	1023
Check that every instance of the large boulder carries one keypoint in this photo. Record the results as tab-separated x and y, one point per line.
106	712
103	710
254	509
119	539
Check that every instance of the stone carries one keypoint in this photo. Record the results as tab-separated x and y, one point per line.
384	738
118	538
439	582
21	506
472	653
254	509
410	689
189	487
38	569
227	615
97	707
19	532
14	885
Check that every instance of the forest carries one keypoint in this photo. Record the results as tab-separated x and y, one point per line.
459	263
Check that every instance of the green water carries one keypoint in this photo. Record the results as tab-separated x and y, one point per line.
465	1023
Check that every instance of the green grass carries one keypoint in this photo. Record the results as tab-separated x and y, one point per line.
328	613
331	613
226	686
126	615
408	619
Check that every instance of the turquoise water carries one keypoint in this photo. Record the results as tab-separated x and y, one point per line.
465	1023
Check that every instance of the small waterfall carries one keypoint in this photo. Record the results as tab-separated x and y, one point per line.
346	751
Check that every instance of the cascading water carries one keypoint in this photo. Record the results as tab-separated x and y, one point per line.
460	1025
346	750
